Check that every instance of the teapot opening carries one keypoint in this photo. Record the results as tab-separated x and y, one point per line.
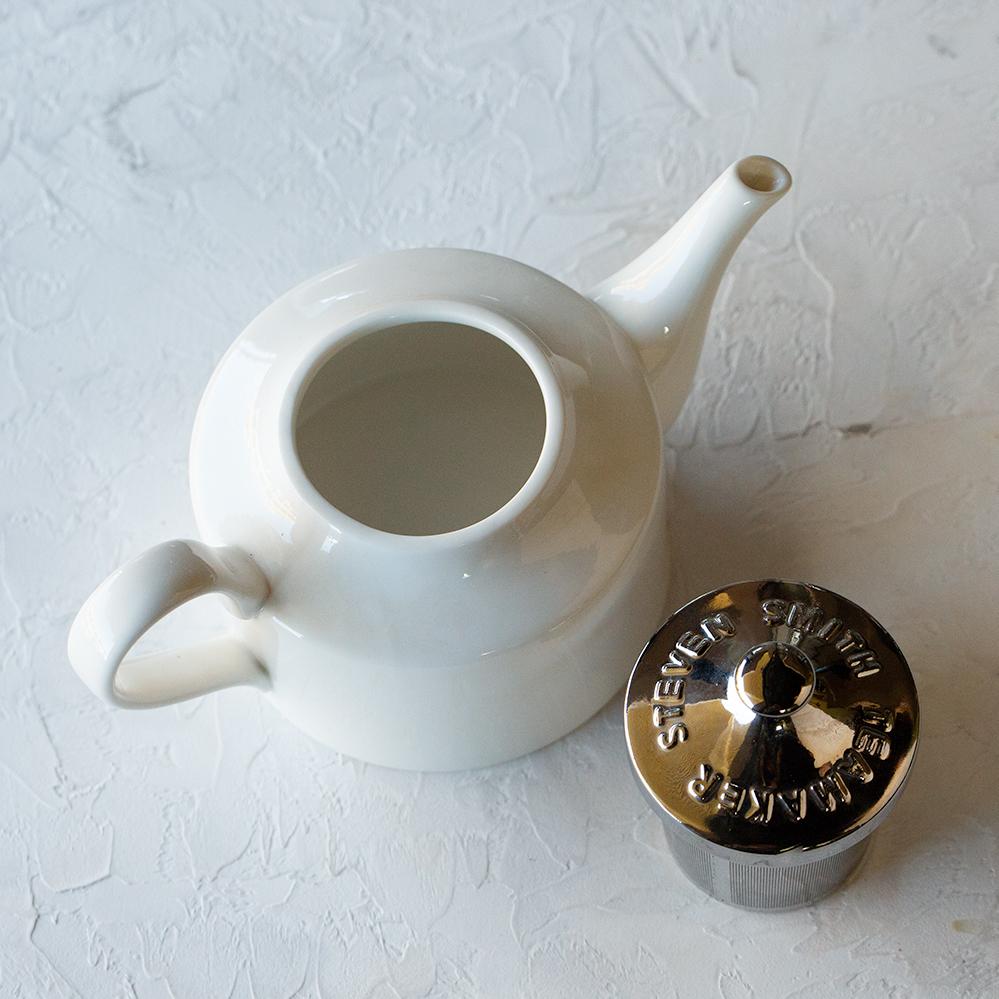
421	428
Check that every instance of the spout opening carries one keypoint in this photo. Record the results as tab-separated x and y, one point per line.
763	174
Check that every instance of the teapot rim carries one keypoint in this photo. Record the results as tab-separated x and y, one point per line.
402	313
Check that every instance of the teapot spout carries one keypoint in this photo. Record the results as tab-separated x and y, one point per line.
663	298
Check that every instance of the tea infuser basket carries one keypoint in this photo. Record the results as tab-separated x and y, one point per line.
772	725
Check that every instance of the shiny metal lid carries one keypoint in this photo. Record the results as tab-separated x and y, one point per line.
772	718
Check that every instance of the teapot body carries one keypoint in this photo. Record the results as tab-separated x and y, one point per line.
430	486
388	704
448	649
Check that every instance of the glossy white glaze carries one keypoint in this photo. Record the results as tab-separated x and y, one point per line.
664	297
133	598
439	650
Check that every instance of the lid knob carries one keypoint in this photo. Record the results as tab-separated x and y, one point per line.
775	679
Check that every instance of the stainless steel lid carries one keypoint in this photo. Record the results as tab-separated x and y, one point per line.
771	719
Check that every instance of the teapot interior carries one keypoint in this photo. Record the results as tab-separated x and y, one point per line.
421	428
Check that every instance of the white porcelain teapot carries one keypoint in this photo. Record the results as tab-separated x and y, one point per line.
430	484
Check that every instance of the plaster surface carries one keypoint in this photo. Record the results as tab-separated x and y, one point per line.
168	169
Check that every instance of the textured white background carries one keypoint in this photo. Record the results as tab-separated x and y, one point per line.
166	169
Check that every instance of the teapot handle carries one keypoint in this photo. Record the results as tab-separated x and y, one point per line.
133	598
